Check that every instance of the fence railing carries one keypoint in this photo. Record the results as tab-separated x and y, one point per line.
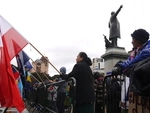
37	99
112	98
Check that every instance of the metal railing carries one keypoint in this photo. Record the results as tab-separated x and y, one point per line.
40	103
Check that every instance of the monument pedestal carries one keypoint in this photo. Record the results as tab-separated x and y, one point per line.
112	56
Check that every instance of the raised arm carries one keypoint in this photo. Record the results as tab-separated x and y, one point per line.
118	10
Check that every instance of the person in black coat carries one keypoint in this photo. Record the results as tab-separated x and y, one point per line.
85	95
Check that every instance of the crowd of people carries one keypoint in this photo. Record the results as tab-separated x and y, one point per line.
91	93
58	94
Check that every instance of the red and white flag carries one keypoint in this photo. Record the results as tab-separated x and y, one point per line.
11	43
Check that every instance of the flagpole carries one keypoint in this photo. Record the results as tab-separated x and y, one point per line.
39	76
34	77
45	58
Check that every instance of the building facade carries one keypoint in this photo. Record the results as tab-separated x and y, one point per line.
98	65
40	65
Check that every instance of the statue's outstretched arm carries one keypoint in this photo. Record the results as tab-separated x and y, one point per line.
118	10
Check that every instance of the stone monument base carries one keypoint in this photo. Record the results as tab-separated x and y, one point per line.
112	56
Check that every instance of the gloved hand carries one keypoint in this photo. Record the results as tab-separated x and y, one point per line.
116	71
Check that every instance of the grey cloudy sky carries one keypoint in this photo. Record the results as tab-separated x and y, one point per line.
60	29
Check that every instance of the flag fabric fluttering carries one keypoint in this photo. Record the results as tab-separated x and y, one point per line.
29	87
28	78
15	72
18	79
20	86
23	62
28	66
23	57
24	66
11	43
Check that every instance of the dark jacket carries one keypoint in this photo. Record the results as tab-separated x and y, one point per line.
140	77
98	86
84	82
143	53
62	86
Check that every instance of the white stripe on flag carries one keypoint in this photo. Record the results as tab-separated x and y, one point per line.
4	27
1	43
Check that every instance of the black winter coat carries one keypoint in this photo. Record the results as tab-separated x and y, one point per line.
84	82
140	78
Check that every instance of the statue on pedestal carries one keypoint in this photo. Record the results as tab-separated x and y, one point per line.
114	27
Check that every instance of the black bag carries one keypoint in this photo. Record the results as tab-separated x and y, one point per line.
140	78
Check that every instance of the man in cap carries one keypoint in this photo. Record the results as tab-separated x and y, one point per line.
61	92
140	51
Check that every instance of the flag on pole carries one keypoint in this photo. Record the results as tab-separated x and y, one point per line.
15	72
28	77
20	86
24	58
23	61
11	43
28	66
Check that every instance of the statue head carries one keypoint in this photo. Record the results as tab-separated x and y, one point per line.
113	12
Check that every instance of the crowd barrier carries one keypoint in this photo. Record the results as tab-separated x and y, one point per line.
37	99
112	94
37	102
112	99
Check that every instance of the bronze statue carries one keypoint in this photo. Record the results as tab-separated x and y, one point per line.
114	26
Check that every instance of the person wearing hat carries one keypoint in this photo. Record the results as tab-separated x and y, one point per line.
140	51
61	92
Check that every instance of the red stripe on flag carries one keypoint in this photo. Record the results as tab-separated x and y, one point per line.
13	43
9	96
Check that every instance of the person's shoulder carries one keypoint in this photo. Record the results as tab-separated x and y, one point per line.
79	63
148	42
146	45
82	64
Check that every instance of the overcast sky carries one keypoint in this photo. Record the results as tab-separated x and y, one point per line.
60	29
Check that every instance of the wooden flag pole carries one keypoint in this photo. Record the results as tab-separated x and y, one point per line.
39	77
35	78
45	58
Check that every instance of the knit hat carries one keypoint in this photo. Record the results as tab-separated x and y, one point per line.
63	70
140	34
